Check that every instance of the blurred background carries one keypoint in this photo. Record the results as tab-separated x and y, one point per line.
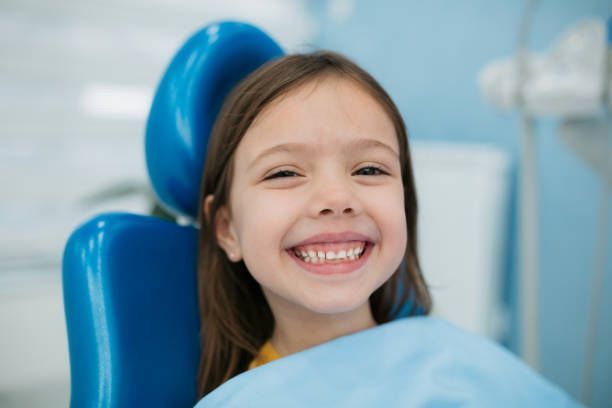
76	82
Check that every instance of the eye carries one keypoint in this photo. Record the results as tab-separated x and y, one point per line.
281	174
364	171
370	171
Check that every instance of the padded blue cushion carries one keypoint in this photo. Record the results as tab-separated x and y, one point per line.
131	312
187	102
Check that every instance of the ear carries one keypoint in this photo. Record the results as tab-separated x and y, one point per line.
225	231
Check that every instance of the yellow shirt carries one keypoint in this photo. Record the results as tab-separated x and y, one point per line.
266	354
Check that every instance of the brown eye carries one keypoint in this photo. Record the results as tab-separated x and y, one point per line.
370	171
282	173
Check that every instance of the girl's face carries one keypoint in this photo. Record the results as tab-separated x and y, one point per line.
317	174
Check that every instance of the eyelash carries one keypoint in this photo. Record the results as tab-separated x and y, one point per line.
381	172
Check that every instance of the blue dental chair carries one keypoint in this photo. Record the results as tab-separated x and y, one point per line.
129	280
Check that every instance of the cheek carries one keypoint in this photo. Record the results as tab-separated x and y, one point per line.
388	207
264	220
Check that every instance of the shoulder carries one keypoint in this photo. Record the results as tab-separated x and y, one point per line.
467	363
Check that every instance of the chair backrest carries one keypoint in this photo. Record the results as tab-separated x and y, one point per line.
130	280
131	311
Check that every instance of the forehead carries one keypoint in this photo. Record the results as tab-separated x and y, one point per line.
325	114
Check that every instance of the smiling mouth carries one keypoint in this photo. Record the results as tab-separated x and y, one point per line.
331	253
338	261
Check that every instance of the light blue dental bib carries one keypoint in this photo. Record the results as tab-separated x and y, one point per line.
410	362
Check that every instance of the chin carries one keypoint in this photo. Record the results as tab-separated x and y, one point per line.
334	307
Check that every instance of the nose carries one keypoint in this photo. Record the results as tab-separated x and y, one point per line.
335	199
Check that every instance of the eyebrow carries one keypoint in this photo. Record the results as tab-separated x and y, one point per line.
351	147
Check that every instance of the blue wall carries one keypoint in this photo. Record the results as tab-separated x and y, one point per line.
427	55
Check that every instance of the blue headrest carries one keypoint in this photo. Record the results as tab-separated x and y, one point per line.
187	102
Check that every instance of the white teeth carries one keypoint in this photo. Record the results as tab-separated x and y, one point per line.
320	256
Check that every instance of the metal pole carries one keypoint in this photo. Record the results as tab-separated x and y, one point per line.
528	208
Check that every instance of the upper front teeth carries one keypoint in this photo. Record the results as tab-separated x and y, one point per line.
321	256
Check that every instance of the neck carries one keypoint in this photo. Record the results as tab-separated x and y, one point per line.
298	329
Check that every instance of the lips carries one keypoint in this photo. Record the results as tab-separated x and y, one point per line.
338	268
332	253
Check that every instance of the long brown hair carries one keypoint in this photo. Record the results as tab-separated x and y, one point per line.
235	317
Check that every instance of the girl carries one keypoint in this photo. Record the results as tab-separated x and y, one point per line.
308	215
